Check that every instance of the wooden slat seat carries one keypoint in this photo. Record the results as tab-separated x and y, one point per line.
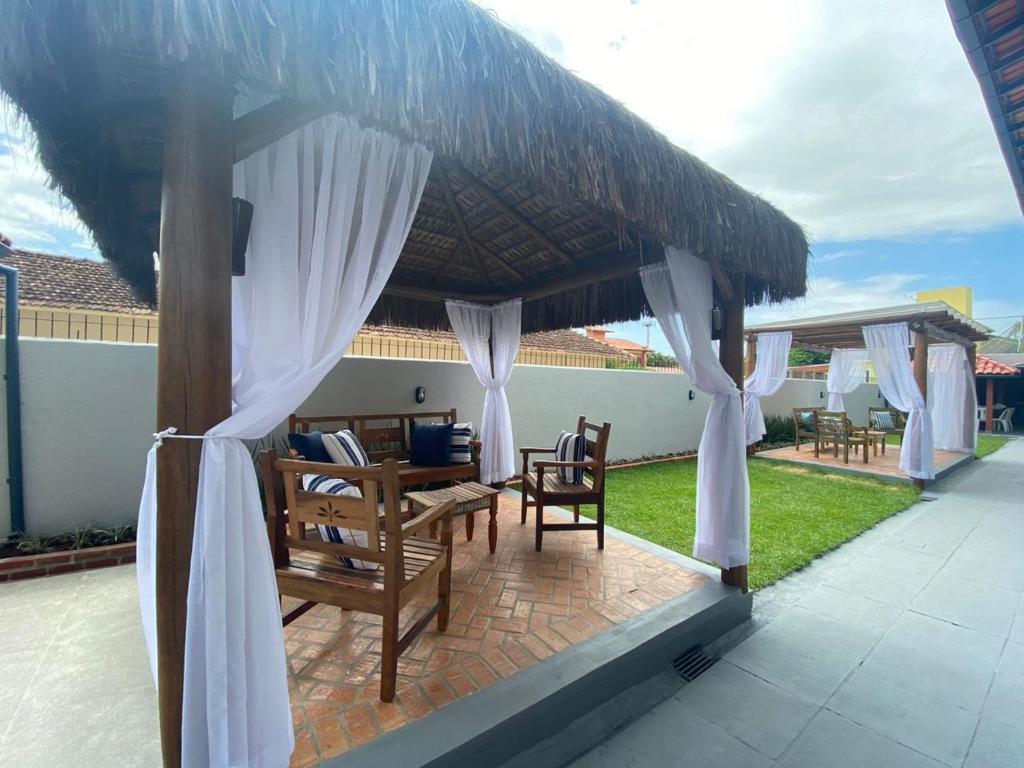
312	570
554	484
544	485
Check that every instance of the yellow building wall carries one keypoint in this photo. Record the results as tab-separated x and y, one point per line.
47	323
960	298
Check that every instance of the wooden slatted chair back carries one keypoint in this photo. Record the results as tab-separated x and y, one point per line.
596	436
382	435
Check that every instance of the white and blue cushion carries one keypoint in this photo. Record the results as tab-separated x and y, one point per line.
571	447
462	433
344	448
883	420
329	533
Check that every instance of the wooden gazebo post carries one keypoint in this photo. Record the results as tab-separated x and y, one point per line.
732	290
194	355
920	373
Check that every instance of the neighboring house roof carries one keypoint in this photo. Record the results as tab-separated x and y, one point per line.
998	345
49	280
625	344
986	366
1016	359
551	341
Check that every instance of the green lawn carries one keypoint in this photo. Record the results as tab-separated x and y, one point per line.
988	444
797	513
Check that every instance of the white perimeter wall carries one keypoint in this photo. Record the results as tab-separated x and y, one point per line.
88	412
801	393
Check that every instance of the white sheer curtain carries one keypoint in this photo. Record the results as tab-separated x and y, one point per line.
333	206
952	399
769	375
846	372
489	335
680	294
889	350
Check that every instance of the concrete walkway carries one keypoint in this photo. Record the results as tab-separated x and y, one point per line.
904	648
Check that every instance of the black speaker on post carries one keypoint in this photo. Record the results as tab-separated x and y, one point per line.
241	221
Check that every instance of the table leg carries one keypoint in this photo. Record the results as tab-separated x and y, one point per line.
470	519
492	524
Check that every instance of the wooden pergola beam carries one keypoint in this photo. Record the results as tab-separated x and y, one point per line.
260	128
932	331
725	286
920	374
477	251
494	201
628	265
730	354
194	354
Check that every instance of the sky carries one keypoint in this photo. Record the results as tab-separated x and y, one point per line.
860	120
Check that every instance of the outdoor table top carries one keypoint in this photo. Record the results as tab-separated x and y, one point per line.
463	493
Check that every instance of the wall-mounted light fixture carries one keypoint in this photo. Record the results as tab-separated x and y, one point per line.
241	222
716	323
421	394
821	395
692	395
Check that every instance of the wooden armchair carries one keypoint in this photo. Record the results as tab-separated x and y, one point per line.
312	569
899	422
547	488
805	424
835	429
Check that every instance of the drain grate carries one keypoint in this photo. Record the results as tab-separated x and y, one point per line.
693	664
927	498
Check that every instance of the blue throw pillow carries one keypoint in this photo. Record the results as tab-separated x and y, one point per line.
310	446
430	445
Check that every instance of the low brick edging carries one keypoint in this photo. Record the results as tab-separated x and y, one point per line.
52	563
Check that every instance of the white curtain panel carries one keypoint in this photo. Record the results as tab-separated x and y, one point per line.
333	206
489	335
952	399
680	295
889	351
769	375
847	370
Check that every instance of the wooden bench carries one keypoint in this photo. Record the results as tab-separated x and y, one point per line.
547	488
311	569
805	428
386	436
899	421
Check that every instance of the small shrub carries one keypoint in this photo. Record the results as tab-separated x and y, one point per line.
778	430
33	545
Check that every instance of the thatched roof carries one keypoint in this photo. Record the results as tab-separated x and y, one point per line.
538	177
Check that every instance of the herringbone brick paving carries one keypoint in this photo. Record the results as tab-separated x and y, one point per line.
510	610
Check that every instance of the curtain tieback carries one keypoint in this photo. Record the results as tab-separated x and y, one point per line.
159	437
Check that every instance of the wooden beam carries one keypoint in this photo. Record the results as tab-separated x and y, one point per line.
971	423
750	361
476	250
194	354
920	374
627	265
725	286
811	347
932	331
730	354
260	128
990	401
494	201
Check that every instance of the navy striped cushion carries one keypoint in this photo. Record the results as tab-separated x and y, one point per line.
338	487
344	448
571	447
462	433
882	419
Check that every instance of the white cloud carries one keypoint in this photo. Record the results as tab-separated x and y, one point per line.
33	215
860	120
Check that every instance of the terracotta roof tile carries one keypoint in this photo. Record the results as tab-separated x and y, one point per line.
48	280
986	366
552	341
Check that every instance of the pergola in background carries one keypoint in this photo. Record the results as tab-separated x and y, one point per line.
933	322
542	187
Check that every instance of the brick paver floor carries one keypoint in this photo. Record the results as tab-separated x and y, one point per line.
884	466
510	610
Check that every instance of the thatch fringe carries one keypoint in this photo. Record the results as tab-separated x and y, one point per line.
443	72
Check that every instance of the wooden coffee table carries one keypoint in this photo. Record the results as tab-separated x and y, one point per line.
469	497
876	437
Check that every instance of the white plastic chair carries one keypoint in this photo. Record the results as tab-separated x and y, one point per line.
1005	421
